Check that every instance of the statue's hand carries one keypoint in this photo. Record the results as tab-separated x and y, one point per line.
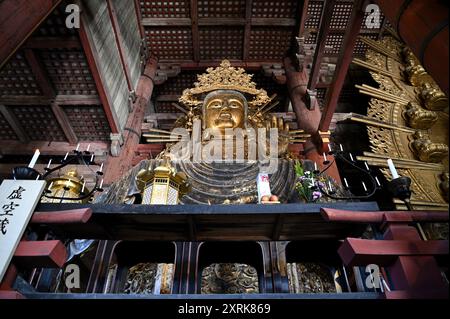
283	133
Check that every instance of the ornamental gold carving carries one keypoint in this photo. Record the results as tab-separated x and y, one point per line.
407	120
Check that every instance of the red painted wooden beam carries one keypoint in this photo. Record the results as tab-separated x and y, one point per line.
11	294
321	40
35	254
420	294
119	42
342	65
337	215
18	19
76	216
362	252
103	94
9	278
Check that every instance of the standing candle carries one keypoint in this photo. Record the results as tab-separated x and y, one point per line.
340	146
34	159
49	163
50	186
101	168
92	158
364	185
351	157
329	148
330	187
367	166
378	182
78	147
346	184
101	184
392	169
324	157
67	154
88	148
315	166
82	189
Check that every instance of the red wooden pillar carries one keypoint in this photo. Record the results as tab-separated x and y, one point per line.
423	26
117	166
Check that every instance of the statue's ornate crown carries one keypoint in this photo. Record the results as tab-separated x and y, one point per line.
224	77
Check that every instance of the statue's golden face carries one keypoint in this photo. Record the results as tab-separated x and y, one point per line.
226	110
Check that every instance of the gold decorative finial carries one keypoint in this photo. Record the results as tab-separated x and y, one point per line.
224	77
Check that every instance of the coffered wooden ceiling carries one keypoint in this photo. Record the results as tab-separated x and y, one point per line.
242	30
47	91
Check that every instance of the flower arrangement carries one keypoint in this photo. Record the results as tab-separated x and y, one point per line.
306	184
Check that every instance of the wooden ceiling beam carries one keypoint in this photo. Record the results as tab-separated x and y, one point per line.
187	22
64	123
167	98
319	53
137	8
52	43
99	148
247	31
303	17
18	20
9	116
59	99
163	22
344	61
40	73
195	33
92	60
120	43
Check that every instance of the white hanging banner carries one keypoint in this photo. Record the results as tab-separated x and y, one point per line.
18	199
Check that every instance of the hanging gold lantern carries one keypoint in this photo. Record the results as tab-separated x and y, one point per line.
162	186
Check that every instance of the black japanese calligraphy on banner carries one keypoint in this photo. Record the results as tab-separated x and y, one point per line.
18	199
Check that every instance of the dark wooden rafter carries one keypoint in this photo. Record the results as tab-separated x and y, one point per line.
186	22
59	99
319	53
51	149
104	96
120	43
26	14
247	31
64	123
40	73
195	33
343	63
303	17
52	43
137	8
14	123
382	28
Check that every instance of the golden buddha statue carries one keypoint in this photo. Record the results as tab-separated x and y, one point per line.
223	106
